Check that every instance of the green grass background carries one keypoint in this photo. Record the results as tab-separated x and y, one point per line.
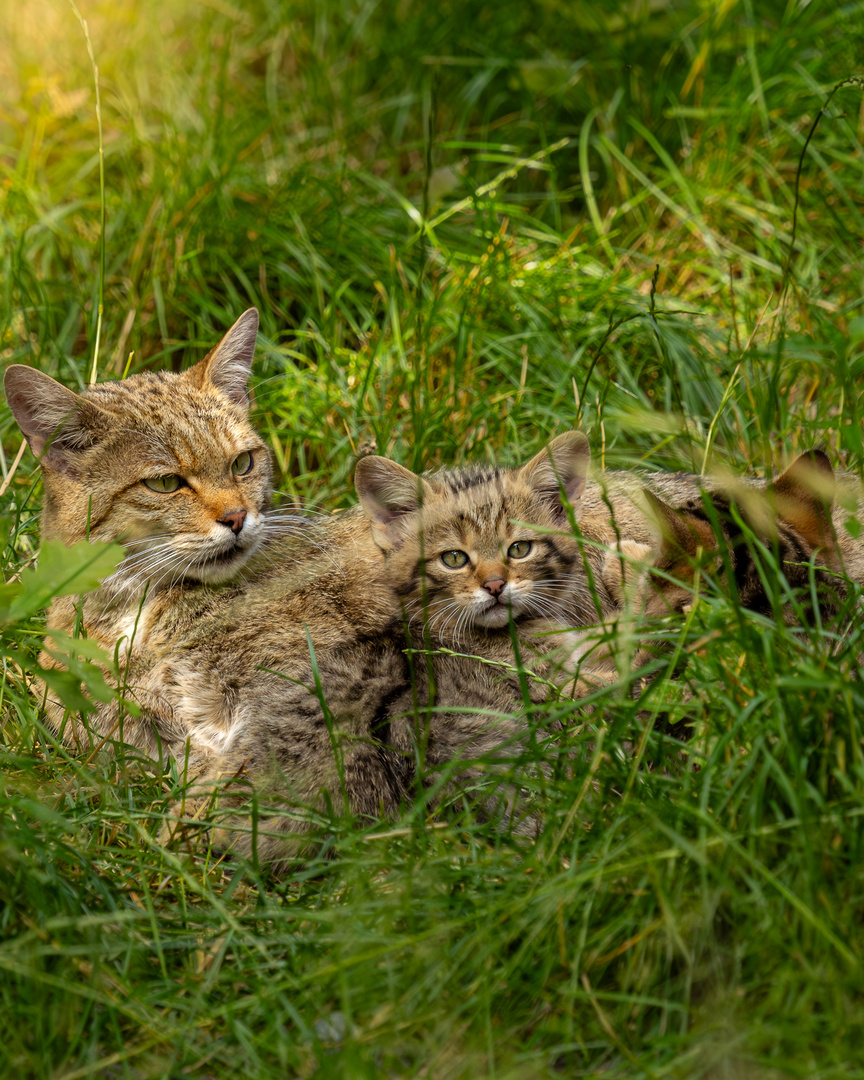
450	216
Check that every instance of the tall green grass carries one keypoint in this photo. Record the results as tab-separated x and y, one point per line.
467	227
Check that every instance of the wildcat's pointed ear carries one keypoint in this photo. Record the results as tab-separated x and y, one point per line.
226	367
803	496
389	494
56	422
559	472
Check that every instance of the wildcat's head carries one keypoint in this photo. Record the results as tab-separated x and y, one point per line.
474	547
723	536
166	464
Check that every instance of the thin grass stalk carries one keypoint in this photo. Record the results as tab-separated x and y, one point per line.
850	80
101	305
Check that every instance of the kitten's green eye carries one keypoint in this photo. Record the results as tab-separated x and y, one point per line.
242	464
519	550
454	559
163	484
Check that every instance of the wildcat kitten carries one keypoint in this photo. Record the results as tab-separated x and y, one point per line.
474	549
721	534
477	549
722	537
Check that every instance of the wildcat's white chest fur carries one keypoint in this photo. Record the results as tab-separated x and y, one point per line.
132	632
202	705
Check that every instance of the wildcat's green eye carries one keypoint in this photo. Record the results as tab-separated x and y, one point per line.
242	464
163	484
519	550
454	559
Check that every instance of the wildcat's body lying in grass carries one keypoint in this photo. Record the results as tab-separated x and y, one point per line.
266	648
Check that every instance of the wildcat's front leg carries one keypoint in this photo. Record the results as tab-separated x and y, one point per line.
139	721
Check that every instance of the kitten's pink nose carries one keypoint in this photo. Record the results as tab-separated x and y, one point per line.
494	586
234	520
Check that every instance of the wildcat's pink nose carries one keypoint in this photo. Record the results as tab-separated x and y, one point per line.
494	586
234	520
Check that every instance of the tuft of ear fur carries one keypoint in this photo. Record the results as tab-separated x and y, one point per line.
559	472
682	535
803	496
226	367
56	422
390	495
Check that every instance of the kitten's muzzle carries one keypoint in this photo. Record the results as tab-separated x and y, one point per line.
234	520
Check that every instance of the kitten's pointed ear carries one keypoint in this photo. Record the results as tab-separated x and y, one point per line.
561	467
682	535
56	422
389	495
226	367
803	496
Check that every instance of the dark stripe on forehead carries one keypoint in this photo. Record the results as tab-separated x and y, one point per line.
192	450
482	514
502	518
457	480
489	517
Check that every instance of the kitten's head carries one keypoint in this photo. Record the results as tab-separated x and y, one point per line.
166	464
721	535
472	547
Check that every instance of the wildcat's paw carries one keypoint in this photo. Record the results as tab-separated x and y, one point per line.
581	661
190	822
201	816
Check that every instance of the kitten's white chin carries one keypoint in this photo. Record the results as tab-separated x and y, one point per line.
494	617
